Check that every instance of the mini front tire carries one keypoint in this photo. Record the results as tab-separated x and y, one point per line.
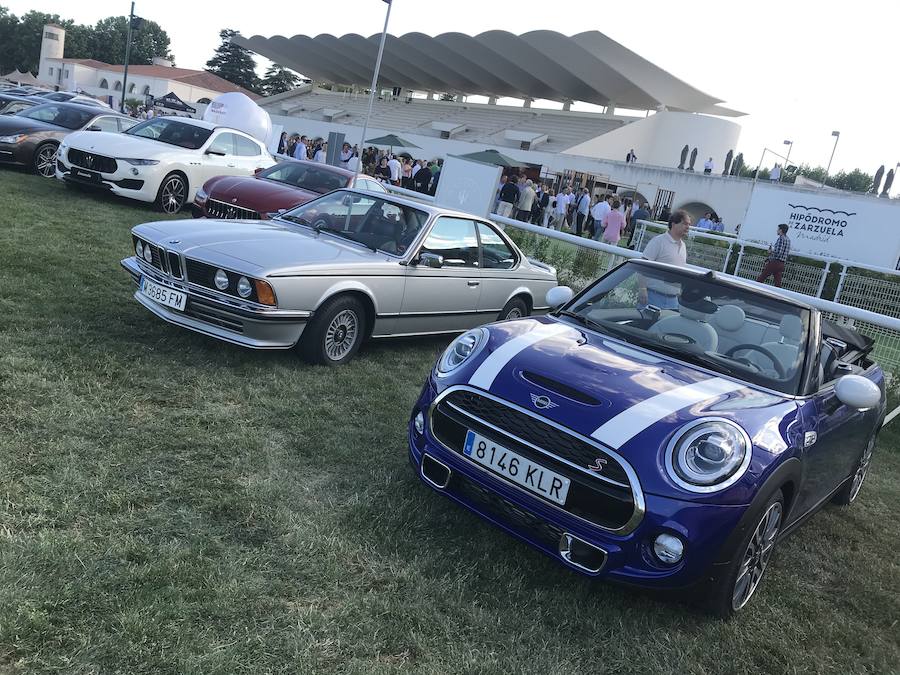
335	332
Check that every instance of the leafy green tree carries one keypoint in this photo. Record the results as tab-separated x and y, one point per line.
23	48
234	63
110	36
278	80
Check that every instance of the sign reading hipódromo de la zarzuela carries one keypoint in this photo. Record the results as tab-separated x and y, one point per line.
863	229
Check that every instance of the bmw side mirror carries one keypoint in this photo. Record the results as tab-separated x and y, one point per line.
855	391
558	296
431	260
93	127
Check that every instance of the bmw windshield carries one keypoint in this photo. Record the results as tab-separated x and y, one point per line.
699	320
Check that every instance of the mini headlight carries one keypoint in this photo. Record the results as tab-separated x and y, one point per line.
139	249
244	288
461	349
221	280
148	254
668	548
708	455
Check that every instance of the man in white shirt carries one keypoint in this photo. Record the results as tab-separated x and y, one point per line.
321	154
708	166
395	167
353	162
562	206
598	213
346	154
775	174
668	247
705	223
300	150
582	208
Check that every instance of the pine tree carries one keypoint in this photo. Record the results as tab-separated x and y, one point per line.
234	63
278	80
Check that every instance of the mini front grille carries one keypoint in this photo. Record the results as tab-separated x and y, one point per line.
217	209
591	498
88	160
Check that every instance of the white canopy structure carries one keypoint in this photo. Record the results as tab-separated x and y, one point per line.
542	64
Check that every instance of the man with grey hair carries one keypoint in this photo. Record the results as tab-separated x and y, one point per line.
526	201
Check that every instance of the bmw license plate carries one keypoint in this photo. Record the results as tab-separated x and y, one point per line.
520	470
163	294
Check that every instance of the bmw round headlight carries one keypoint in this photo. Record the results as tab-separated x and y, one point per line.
221	280
244	288
461	350
148	254
139	249
708	455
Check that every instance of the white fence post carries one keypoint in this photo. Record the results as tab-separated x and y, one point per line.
840	286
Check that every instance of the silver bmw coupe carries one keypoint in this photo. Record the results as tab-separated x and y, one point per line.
333	272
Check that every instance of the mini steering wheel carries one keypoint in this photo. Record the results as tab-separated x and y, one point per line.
762	350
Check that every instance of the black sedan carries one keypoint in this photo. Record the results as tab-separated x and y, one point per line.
10	103
31	137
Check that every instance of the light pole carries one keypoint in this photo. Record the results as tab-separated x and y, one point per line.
787	159
837	136
127	56
362	141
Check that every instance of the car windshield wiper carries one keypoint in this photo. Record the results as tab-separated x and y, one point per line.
699	358
601	327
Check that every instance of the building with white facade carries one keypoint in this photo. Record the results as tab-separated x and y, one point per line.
107	81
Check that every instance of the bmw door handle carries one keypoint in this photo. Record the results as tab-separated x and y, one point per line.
473	284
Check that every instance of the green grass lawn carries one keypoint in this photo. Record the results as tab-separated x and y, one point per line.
172	504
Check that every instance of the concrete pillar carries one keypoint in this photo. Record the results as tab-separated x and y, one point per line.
459	99
492	100
611	108
567	106
430	96
528	102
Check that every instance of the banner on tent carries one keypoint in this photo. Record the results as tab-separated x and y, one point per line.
857	228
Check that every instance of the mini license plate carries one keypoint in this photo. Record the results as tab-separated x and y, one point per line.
163	294
520	470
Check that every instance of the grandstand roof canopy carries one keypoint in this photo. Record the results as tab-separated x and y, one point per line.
588	67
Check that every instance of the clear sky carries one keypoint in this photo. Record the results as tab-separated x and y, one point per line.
800	68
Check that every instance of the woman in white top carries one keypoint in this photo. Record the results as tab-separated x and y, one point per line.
321	153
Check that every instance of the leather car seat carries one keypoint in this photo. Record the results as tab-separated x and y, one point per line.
691	323
786	349
729	321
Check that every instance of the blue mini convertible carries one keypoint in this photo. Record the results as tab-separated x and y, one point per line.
669	444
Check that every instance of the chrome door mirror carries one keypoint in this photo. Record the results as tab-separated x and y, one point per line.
558	296
857	392
430	260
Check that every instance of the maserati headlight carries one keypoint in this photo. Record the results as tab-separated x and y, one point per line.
201	196
461	350
708	455
15	138
139	162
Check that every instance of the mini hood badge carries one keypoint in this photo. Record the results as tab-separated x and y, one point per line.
543	402
598	465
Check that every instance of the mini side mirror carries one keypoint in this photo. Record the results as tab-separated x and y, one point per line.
857	392
430	260
558	296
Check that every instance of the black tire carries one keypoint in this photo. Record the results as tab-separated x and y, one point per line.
749	561
850	489
516	308
172	193
335	333
44	161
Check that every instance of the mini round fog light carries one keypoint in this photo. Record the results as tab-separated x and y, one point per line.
419	422
148	254
221	280
668	548
244	288
139	249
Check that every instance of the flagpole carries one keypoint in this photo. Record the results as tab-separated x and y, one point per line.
365	128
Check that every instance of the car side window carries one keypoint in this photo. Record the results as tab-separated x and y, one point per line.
371	185
494	251
223	143
106	124
245	147
455	241
126	124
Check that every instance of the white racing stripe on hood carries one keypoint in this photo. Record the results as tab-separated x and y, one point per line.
489	369
629	423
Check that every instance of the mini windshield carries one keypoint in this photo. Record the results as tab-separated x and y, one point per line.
312	178
173	132
58	115
363	218
700	320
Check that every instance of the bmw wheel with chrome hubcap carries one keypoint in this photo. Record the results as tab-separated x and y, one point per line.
335	332
514	309
741	577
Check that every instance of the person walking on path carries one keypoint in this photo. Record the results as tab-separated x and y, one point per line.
779	250
613	224
581	210
509	195
526	202
562	205
668	247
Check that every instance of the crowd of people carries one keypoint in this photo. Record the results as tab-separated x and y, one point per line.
603	217
400	170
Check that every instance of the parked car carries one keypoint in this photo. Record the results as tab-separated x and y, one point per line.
11	104
282	187
72	97
663	448
31	137
327	275
163	160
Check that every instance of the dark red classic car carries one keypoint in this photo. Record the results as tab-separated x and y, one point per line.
278	188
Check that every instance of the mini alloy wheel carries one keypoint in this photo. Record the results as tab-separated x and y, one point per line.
756	555
862	470
45	161
172	194
341	335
